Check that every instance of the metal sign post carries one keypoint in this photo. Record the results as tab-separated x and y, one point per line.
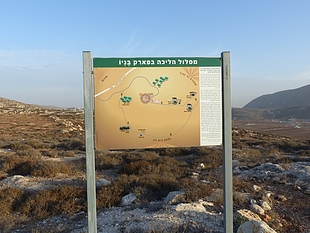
89	140
111	82
227	143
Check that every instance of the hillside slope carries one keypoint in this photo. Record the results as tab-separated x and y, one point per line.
8	103
282	99
13	104
297	111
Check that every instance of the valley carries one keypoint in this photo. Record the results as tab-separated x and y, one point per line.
294	128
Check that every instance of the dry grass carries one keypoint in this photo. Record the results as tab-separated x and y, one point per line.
61	200
195	190
29	166
20	206
106	160
10	198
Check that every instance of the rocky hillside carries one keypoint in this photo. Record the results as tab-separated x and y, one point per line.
282	99
14	105
282	105
298	111
8	105
43	181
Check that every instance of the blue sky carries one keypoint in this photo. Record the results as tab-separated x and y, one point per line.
41	42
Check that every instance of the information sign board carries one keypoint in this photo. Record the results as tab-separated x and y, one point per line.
157	102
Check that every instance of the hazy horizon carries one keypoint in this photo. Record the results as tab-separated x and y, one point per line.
82	106
42	43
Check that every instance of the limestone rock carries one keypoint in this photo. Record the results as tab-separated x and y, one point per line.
247	214
267	194
174	197
256	188
253	201
255	226
201	166
265	205
257	209
128	199
102	182
196	207
297	173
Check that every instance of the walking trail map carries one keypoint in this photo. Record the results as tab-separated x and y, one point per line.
157	102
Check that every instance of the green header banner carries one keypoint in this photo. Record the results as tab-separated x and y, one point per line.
157	62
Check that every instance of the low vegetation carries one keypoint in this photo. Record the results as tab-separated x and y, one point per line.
53	153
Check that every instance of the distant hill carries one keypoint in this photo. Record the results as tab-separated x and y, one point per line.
299	112
7	103
250	114
294	103
282	99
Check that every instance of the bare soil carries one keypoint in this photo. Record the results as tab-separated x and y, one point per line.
298	129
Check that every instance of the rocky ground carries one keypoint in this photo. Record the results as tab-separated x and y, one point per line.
152	218
43	151
204	215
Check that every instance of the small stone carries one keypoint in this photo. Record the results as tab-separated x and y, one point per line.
201	166
252	201
195	207
268	194
256	188
276	179
192	214
281	198
102	182
174	197
128	199
257	209
297	188
266	218
265	205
